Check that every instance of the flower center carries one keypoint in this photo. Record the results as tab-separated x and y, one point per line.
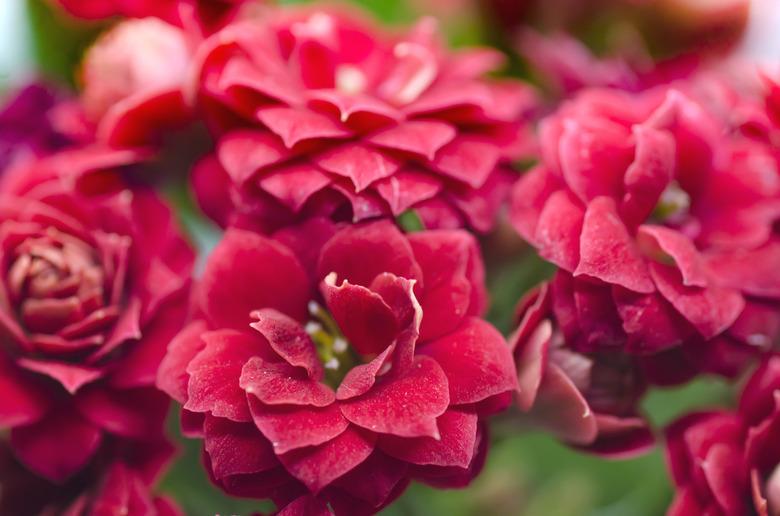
335	353
673	206
58	286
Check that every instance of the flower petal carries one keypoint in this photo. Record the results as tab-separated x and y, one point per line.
711	310
236	448
455	448
248	272
318	466
292	427
406	406
607	251
56	455
477	361
279	383
215	371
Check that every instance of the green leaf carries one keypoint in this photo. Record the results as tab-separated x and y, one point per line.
410	221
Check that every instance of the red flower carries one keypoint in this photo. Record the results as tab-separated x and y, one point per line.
93	286
339	363
664	214
318	112
588	400
118	481
205	15
728	463
132	83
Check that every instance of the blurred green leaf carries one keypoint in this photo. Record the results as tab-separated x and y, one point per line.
59	41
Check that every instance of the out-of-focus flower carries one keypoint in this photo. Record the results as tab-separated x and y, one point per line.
93	285
27	128
132	82
668	27
588	400
728	463
119	480
566	65
204	16
661	211
351	362
317	112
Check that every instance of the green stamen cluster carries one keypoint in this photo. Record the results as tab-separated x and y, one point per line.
335	353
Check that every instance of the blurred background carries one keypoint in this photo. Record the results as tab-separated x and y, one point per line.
527	473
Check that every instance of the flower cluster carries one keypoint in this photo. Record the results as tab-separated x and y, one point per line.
333	346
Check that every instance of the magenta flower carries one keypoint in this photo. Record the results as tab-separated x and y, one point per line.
27	124
351	361
662	213
588	400
317	112
728	463
93	285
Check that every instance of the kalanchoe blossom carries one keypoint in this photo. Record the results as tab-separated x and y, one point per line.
332	365
119	480
662	213
132	83
202	15
317	112
727	463
588	400
27	124
93	285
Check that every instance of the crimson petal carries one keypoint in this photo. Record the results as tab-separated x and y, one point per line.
406	406
477	361
317	467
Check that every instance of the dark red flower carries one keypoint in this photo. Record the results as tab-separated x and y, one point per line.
319	112
119	480
93	285
662	213
339	363
588	400
27	128
203	15
727	463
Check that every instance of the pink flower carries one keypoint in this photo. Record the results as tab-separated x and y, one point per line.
332	365
727	463
132	82
664	213
317	112
588	400
93	285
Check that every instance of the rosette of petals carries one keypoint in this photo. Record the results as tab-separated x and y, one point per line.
332	365
588	400
94	285
727	463
659	206
319	112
